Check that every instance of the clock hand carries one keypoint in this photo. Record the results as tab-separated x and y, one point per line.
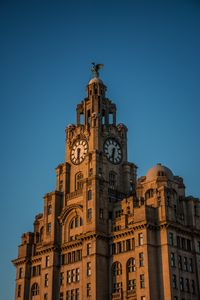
78	153
113	153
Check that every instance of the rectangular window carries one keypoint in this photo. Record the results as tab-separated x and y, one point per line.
171	239
178	242
45	296
20	273
141	259
131	284
19	289
128	245
183	244
89	214
140	239
89	249
117	287
142	281
73	273
68	296
185	264
72	294
68	277
89	195
189	245
181	284
48	227
174	281
61	296
89	290
187	285
46	280
47	261
89	271
173	260
77	275
49	209
77	294
61	278
193	287
101	213
190	265
198	247
180	262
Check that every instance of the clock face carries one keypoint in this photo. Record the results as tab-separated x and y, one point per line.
113	151
79	151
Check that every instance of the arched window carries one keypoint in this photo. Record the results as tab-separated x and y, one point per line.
75	228
116	269
116	279
112	180
131	265
79	181
35	289
149	194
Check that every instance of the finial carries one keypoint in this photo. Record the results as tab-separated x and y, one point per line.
95	69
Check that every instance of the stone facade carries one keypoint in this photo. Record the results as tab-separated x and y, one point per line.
104	234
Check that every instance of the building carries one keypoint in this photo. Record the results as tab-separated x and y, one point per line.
104	234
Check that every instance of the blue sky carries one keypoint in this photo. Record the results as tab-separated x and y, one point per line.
150	51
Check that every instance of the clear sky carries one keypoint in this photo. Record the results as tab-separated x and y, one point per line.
151	56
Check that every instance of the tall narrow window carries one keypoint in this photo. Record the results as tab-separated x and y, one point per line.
61	296
141	259
131	265
48	227
140	239
47	261
181	284
89	290
61	278
112	180
89	270
190	265
185	264
180	262
20	272
174	281
49	209
89	195
77	275
101	213
46	280
89	249
173	260
142	281
45	296
171	239
79	181
89	214
19	290
193	289
41	234
88	117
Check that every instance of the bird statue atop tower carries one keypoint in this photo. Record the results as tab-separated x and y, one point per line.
95	69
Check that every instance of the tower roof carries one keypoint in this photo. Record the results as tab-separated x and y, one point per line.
95	80
159	170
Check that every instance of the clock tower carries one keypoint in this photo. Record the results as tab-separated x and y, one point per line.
95	176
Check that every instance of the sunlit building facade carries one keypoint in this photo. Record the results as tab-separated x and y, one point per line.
103	233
